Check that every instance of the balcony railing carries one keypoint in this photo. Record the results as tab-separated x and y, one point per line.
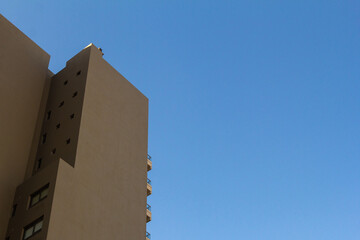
148	213
149	162
148	187
148	235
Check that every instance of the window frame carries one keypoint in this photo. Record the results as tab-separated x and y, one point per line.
32	226
38	194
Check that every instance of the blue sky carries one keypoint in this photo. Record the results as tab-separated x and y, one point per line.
254	107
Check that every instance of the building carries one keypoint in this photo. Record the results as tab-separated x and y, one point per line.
73	151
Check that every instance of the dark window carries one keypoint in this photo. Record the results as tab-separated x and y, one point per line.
58	126
78	73
72	116
66	82
61	104
68	141
39	195
33	228
13	210
75	94
7	238
53	151
39	161
44	138
48	115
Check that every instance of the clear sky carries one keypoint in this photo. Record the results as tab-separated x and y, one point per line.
254	123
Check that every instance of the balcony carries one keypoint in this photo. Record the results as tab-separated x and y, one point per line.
148	213
149	162
148	236
149	187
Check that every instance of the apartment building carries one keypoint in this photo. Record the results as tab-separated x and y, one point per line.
73	151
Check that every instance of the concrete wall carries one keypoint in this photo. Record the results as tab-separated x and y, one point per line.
38	128
57	124
23	70
24	214
104	196
61	118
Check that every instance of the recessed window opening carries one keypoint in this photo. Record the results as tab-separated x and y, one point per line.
7	238
58	126
53	151
72	116
75	94
66	82
43	138
48	115
33	228
13	210
39	195
68	141
78	73
61	104
39	162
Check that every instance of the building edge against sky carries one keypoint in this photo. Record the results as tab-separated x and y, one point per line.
23	72
74	163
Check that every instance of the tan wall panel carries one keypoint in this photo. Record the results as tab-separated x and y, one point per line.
104	196
67	87
23	69
25	214
38	128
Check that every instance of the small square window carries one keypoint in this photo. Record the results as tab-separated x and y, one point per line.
48	115
78	73
39	162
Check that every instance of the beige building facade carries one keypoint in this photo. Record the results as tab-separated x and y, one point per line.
74	162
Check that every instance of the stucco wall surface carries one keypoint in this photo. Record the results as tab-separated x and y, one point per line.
104	195
23	70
